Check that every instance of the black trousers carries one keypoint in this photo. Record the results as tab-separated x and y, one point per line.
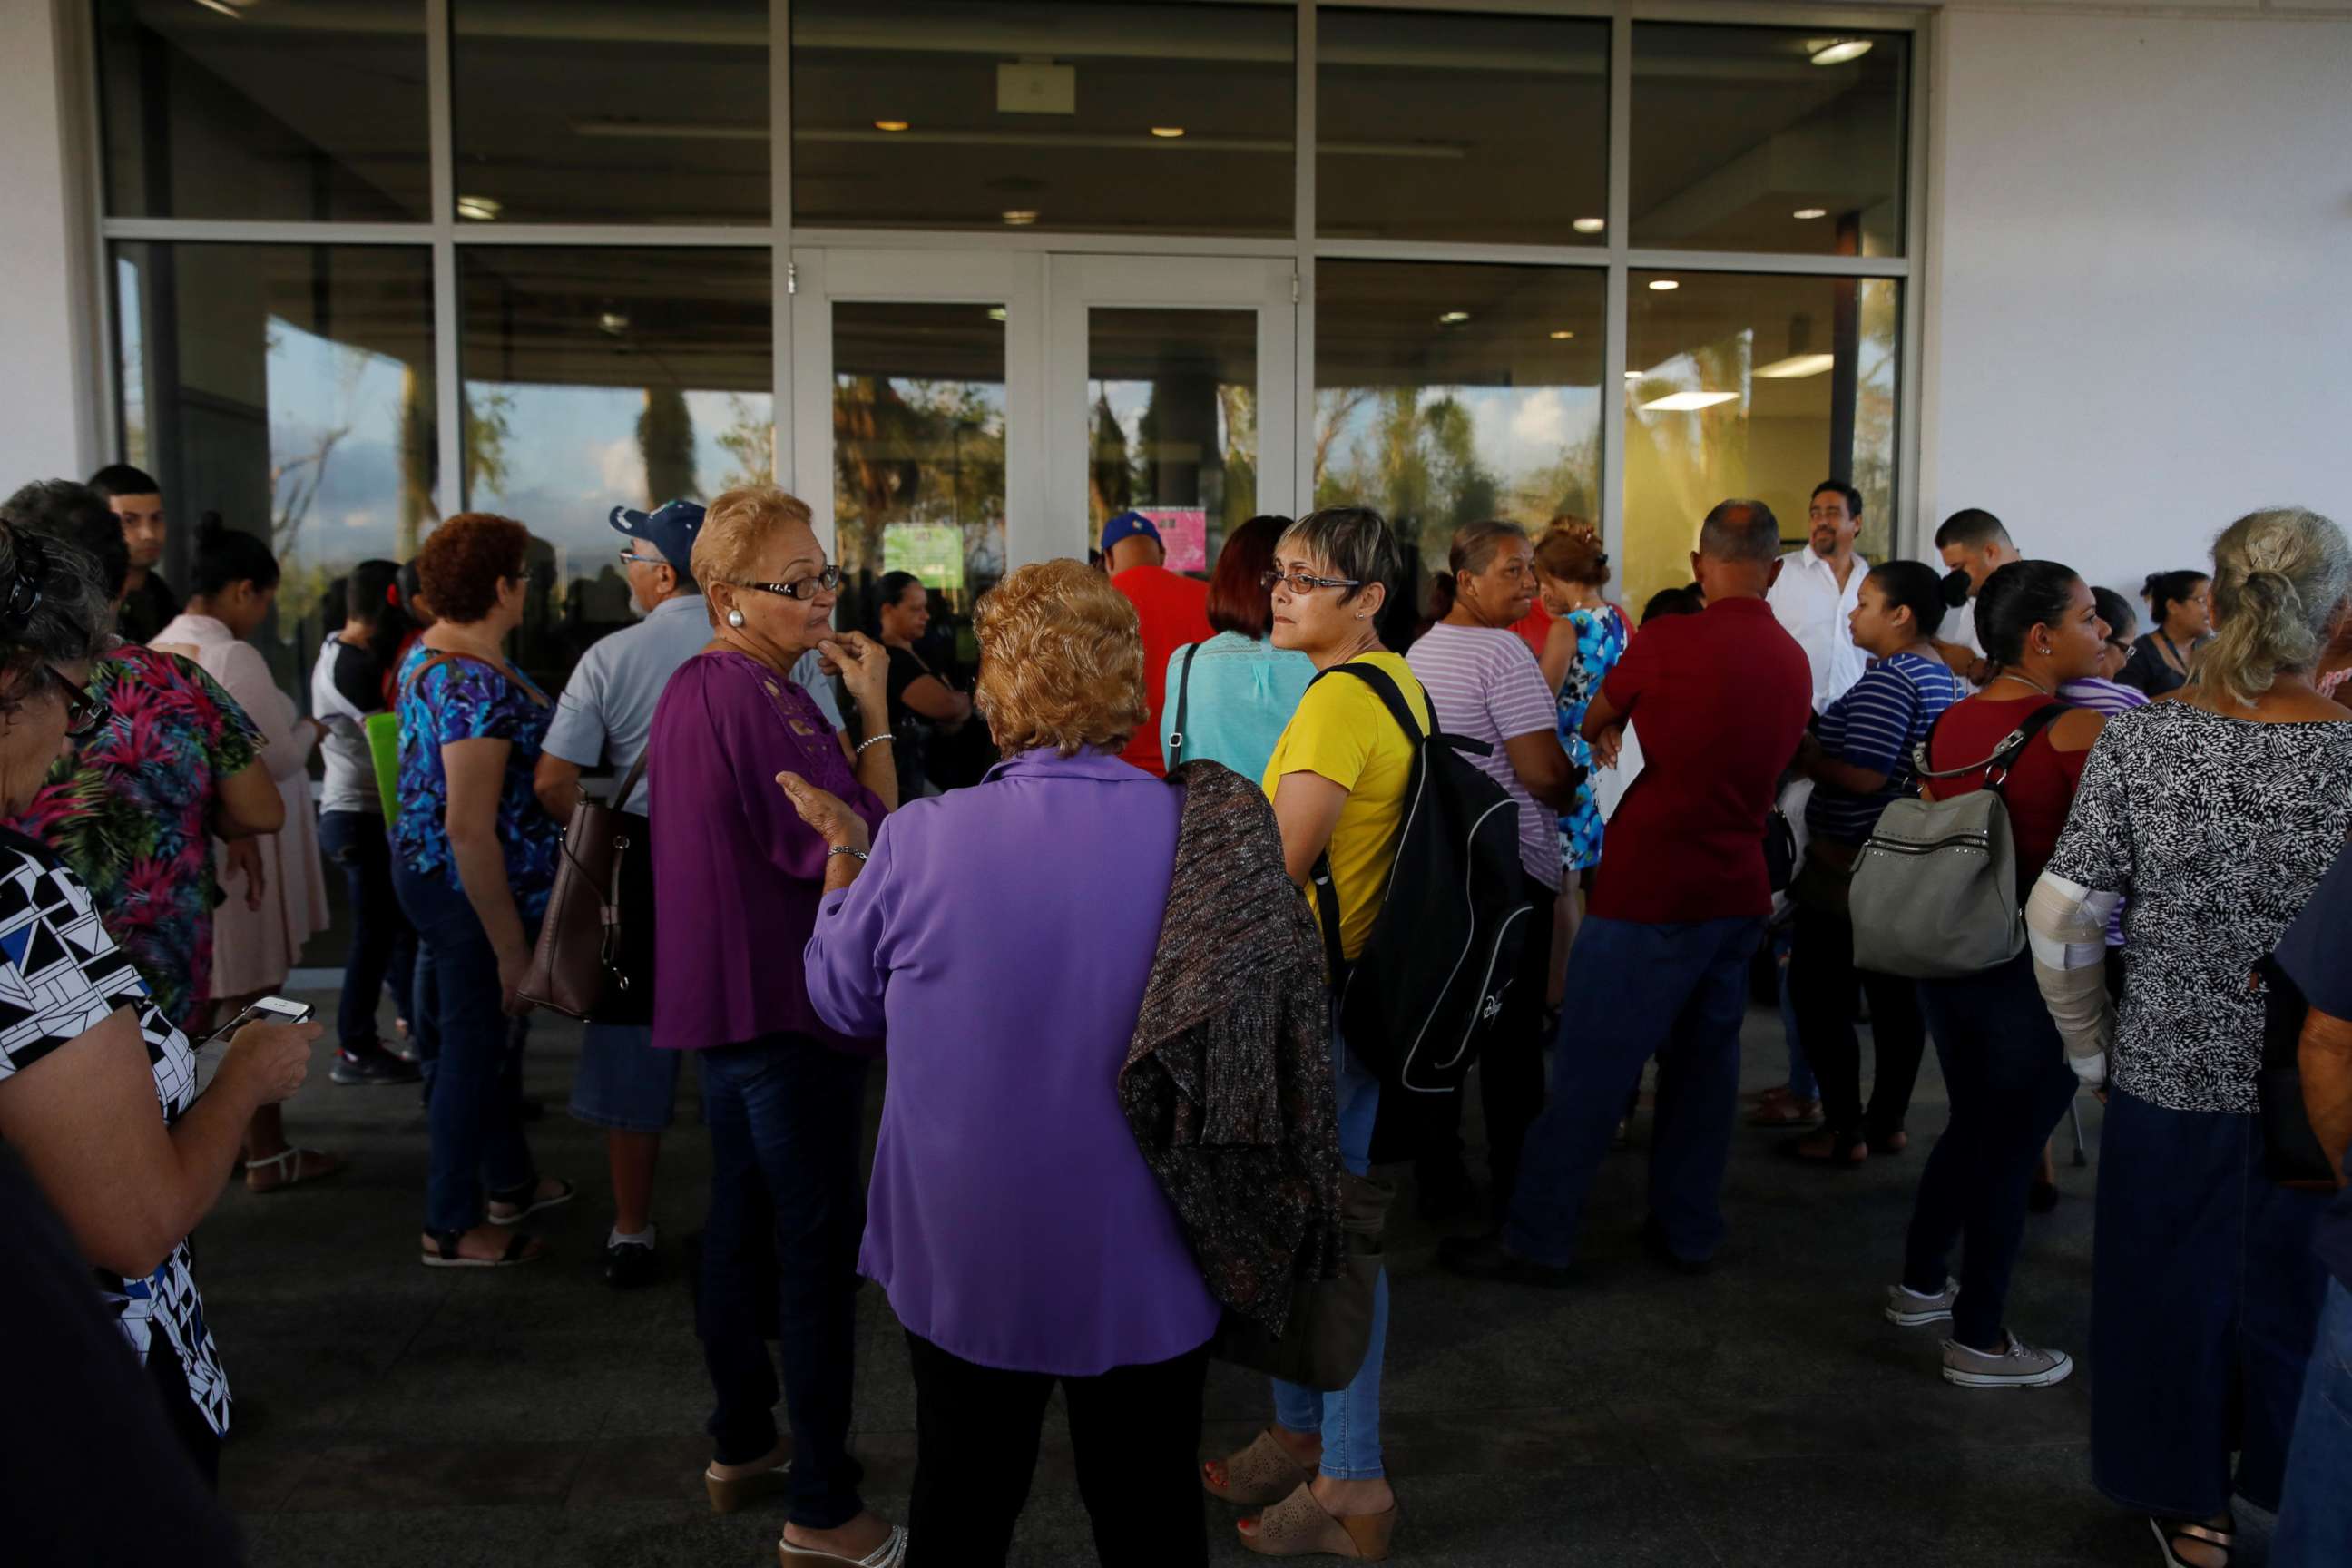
1821	985
1510	1069
1136	1432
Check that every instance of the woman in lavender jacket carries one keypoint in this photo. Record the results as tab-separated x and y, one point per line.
1002	937
737	876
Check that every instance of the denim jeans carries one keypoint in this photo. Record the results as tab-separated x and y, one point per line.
383	946
1802	1085
474	1110
2006	1071
2204	1298
2314	1522
784	1118
1676	990
1349	1420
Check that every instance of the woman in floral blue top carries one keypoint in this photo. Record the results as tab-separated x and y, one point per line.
474	858
1587	638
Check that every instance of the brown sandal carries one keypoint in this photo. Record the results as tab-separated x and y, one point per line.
1297	1527
1260	1474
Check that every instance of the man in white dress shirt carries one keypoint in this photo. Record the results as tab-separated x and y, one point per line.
1819	588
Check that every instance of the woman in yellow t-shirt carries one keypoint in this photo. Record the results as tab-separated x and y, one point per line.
1338	782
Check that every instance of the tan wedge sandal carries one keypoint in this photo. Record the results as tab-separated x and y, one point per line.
1260	1474
730	1493
1297	1527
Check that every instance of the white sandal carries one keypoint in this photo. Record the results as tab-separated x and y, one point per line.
293	1175
889	1554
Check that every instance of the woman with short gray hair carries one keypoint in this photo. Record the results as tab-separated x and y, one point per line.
2213	817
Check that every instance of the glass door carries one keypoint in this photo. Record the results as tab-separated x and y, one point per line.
1172	390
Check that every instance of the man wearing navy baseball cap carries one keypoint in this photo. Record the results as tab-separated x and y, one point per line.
622	1084
1174	610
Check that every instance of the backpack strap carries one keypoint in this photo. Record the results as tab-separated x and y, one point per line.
1327	901
2004	756
1183	704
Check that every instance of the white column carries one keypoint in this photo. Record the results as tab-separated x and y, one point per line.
47	403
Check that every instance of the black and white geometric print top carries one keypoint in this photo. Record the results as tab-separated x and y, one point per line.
60	976
2215	831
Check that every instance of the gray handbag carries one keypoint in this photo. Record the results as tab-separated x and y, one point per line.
1935	890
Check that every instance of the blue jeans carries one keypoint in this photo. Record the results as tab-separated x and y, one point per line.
383	947
1801	1083
474	1109
1676	990
2204	1298
2314	1522
624	1081
1349	1420
2005	1068
785	1215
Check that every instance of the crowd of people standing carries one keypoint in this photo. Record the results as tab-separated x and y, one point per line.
1183	814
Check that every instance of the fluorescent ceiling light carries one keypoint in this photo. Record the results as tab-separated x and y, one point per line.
224	7
613	322
889	125
1663	285
1590	225
1562	335
996	312
1020	217
1686	402
480	209
1455	317
1837	54
1795	366
1809	214
1168	133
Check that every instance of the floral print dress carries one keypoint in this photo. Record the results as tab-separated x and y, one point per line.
1601	636
131	815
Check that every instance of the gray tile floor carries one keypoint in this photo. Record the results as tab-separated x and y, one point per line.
1763	1414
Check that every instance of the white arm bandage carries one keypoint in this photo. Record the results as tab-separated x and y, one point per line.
2066	925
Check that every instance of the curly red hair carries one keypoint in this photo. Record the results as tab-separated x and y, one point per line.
464	561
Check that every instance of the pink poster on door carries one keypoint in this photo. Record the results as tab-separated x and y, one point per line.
1185	531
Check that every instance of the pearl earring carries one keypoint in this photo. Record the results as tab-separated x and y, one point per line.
735	618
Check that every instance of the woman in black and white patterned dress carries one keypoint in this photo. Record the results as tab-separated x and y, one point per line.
2214	817
97	1092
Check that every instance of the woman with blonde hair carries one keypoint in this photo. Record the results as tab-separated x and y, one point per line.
736	875
2213	818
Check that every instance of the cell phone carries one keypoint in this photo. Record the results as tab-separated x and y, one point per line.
266	1010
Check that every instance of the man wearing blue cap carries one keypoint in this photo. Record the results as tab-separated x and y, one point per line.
1174	610
623	1085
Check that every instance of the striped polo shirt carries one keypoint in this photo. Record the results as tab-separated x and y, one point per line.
1875	726
1485	684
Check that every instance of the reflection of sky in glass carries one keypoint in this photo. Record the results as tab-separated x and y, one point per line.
1517	432
572	455
317	388
133	372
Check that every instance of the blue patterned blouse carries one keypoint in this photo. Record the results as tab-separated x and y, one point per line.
465	700
1600	643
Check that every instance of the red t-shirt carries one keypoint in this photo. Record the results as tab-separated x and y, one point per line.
1720	700
1534	627
2041	788
1175	611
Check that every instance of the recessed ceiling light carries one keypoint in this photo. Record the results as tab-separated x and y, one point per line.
224	7
1845	49
613	322
1633	375
480	209
1686	402
1168	133
1663	285
1562	335
1455	317
1590	225
889	125
996	312
1796	366
1020	217
1809	214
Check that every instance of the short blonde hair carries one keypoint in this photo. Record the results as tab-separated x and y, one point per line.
737	525
1061	660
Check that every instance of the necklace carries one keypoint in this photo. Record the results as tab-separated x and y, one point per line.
2035	685
2178	660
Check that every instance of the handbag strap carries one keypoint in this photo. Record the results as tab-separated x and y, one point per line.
635	773
2004	756
1183	704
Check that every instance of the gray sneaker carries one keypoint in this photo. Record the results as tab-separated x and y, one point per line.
2019	1366
1906	1311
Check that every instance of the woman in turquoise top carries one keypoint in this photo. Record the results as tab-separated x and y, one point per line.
1235	691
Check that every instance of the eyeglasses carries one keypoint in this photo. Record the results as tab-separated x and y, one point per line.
631	558
824	582
85	715
1300	583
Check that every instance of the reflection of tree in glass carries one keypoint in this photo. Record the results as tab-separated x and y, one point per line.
751	441
923	452
665	440
1415	460
1110	470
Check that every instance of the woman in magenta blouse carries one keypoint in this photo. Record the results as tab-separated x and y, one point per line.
736	875
1002	936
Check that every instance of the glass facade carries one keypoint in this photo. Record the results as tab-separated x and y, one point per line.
1448	350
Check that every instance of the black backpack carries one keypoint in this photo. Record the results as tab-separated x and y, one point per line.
1417	1005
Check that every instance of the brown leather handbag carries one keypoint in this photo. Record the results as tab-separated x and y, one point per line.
595	961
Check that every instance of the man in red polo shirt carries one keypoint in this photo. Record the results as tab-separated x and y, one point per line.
1174	609
1660	967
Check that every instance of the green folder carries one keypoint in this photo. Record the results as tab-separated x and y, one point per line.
383	750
